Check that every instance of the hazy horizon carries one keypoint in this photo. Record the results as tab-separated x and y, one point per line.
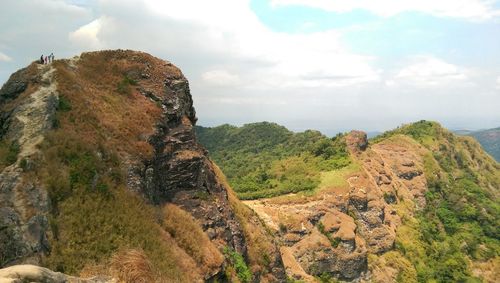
331	66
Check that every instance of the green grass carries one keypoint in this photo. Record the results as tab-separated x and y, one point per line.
238	264
337	178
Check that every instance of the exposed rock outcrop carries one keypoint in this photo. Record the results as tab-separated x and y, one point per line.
356	141
335	230
33	273
23	201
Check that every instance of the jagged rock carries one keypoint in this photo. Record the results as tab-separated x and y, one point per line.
17	83
317	256
356	141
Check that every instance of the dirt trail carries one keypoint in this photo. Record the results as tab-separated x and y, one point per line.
35	114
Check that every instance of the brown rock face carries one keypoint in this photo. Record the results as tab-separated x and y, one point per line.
356	141
180	171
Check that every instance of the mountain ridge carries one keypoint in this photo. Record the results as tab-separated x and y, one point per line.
401	181
104	176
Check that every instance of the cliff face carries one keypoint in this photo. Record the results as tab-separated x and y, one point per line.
81	135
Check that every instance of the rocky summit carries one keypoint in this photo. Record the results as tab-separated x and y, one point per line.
105	177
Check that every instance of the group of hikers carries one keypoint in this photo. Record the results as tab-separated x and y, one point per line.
47	59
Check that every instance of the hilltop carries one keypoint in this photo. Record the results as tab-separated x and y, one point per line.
102	176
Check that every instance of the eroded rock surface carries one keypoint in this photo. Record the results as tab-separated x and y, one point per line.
335	230
23	201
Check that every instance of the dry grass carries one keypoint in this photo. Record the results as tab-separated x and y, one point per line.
100	114
188	235
132	266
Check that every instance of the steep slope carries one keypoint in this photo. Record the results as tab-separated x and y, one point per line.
103	176
489	140
416	204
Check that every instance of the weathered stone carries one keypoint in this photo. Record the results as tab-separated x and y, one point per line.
17	84
32	273
356	141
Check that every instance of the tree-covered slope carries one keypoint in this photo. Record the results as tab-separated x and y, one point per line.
490	140
456	237
265	159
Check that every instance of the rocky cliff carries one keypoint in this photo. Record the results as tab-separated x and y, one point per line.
100	158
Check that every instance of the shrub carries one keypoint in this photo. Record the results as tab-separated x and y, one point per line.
64	104
238	263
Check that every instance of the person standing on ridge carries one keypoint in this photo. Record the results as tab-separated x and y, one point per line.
41	59
51	57
46	59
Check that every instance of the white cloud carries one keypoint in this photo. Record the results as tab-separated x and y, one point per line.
242	71
498	82
286	60
4	57
468	9
87	36
428	71
220	78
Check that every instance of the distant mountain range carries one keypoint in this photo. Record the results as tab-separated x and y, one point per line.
489	140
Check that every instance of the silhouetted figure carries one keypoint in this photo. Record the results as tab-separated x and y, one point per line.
41	59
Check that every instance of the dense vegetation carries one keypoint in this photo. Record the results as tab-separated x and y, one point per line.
265	159
461	221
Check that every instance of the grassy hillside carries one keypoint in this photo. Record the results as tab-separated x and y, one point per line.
95	220
490	140
459	229
265	159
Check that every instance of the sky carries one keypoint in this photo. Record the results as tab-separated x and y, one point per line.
329	65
